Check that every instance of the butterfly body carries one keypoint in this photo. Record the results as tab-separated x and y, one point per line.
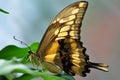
61	49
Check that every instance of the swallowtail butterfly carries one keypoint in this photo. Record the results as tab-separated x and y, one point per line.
61	49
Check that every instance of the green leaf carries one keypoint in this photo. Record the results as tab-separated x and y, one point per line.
1	10
9	66
66	76
38	76
12	66
13	51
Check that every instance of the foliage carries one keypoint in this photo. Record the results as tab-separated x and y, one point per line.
13	65
1	10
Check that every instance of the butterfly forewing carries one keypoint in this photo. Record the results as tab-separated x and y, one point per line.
66	24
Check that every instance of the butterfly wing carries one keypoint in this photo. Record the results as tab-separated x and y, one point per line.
69	19
64	28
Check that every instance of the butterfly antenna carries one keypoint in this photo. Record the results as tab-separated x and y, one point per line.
21	42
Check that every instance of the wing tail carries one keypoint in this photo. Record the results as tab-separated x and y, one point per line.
100	66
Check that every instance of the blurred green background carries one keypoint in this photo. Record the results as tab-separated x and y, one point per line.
28	20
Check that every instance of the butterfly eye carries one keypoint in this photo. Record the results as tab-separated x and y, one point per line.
30	52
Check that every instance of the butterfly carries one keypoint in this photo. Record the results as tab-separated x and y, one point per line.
61	49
